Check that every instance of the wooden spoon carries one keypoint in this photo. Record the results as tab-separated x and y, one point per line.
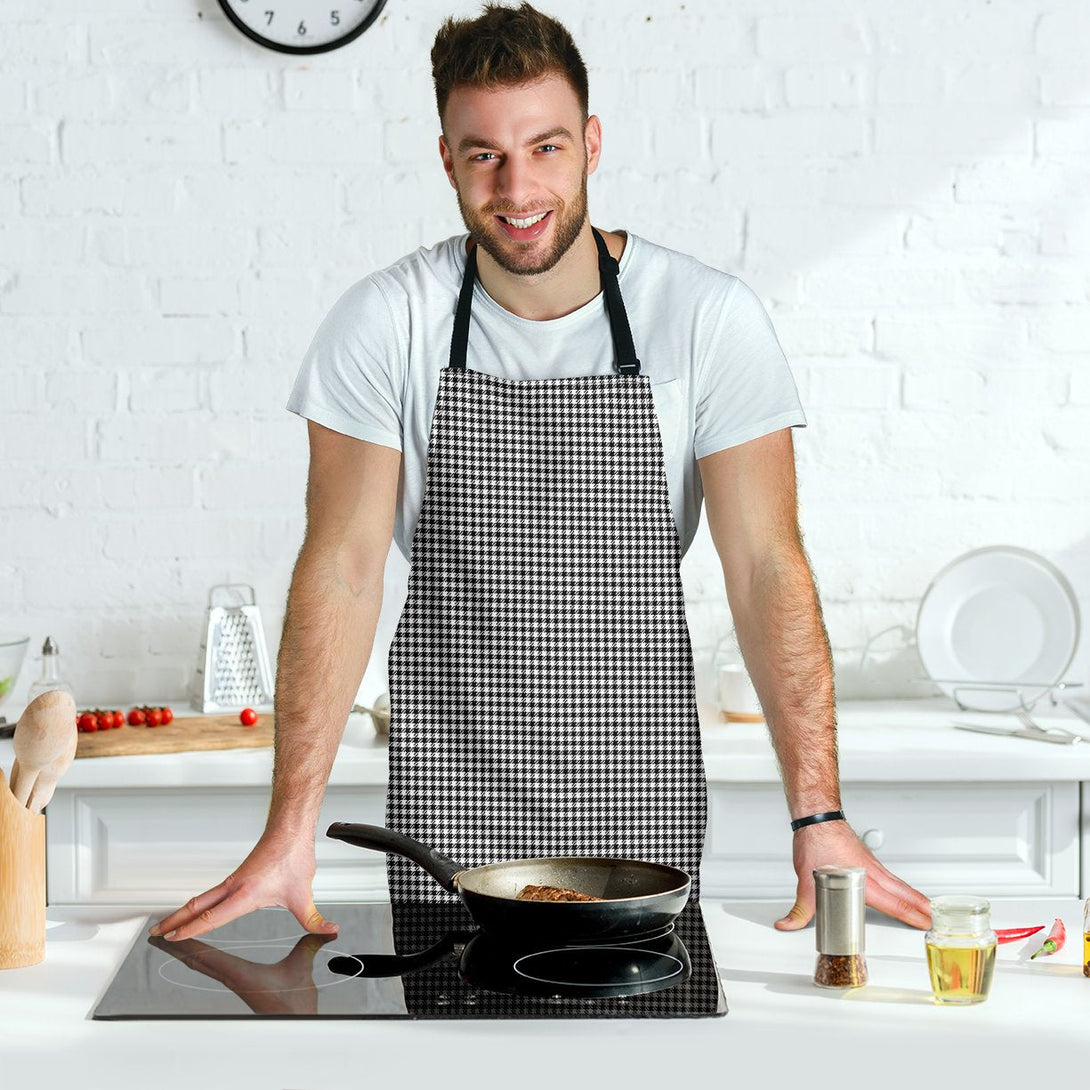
45	743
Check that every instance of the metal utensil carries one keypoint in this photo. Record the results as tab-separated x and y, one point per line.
1057	735
1027	721
233	670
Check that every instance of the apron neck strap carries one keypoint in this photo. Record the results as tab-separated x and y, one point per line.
624	351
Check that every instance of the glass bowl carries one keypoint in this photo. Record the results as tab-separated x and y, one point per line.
12	653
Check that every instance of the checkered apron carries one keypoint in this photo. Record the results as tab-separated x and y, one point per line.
541	675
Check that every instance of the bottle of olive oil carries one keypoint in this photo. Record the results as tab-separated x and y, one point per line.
960	949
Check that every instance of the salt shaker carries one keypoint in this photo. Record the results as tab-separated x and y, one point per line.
51	672
840	903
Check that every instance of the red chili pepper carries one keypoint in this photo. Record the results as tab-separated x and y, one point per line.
1055	940
1013	934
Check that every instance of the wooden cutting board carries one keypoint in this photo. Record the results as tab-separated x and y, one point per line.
186	733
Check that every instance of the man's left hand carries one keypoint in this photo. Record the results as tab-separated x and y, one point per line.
835	843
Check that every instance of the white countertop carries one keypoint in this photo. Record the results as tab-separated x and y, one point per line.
880	741
780	1029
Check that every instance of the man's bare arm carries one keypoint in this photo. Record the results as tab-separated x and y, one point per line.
333	610
329	630
750	495
750	498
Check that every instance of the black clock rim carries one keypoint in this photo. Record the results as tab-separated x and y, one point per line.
299	50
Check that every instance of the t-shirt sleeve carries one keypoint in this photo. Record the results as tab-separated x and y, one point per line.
352	377
744	383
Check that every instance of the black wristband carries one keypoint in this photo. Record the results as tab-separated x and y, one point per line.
814	819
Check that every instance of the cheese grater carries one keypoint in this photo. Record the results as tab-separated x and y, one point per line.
233	668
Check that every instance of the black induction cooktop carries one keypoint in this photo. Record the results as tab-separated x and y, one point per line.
410	961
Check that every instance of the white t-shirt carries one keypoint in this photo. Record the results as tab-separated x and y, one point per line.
718	374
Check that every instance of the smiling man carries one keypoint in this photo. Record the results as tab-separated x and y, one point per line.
536	411
552	179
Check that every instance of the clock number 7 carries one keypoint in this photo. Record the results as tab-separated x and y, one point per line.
269	17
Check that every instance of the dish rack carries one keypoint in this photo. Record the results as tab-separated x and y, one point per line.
1017	692
1024	695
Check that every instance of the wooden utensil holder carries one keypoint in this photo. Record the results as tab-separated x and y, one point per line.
22	883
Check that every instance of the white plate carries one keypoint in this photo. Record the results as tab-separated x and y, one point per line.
1000	616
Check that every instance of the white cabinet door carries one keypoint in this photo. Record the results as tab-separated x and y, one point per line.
995	839
163	846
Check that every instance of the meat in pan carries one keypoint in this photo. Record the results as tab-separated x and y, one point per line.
552	893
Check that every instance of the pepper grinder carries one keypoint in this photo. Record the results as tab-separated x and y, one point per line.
51	672
840	903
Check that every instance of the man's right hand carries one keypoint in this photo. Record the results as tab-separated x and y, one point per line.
279	871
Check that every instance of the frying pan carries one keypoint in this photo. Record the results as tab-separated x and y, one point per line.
637	897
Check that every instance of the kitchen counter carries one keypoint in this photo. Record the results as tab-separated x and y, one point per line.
780	1028
880	742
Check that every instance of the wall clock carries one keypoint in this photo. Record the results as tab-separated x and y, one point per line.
302	26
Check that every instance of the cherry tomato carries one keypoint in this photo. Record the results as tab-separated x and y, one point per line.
154	717
247	717
86	722
106	720
168	715
119	718
137	717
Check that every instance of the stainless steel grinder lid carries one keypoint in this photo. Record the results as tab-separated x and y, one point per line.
840	903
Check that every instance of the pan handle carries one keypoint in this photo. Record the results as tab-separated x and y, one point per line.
381	839
384	965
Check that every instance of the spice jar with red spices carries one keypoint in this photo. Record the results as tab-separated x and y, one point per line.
839	907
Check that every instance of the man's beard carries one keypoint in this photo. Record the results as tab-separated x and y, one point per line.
519	257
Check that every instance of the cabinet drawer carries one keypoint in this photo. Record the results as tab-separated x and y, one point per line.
995	839
164	846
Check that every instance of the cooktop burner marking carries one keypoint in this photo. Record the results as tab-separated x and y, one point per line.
598	966
169	968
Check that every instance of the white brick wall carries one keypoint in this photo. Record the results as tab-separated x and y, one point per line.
905	186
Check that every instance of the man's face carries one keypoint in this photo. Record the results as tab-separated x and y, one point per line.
520	154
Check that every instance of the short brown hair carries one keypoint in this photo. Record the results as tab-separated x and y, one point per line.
502	47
